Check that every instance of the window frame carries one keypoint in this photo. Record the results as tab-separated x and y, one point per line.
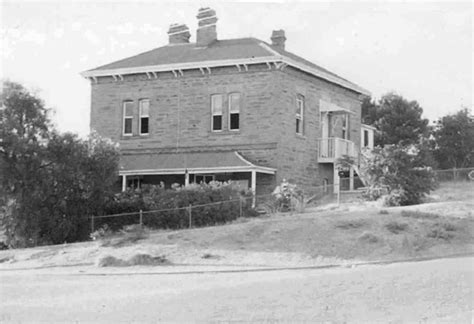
221	113
345	127
140	116
230	111
300	103
125	117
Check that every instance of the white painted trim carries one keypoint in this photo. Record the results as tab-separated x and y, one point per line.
324	75
271	50
199	170
179	32
205	26
208	64
182	66
126	117
229	111
140	116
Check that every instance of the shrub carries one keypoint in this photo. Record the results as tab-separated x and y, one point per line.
351	224
419	214
396	227
369	238
137	259
286	197
211	204
404	171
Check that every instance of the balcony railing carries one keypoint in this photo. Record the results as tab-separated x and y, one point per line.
332	148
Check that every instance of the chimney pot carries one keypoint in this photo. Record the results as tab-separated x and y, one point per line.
206	32
178	34
278	39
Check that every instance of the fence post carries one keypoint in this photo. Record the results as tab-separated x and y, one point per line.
240	206
141	218
190	208
92	224
339	192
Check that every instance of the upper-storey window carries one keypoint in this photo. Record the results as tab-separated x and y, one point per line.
234	111
128	118
144	116
345	124
216	110
299	114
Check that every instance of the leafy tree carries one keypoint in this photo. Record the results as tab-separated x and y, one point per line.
404	171
369	111
398	121
49	182
79	181
24	131
454	140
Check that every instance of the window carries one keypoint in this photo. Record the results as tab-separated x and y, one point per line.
345	123
366	138
234	111
216	110
201	178
127	118
299	114
144	116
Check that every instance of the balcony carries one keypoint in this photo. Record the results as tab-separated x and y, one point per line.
332	148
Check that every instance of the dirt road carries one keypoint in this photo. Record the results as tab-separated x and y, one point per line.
429	291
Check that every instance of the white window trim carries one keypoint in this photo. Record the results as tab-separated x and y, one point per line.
212	114
230	111
140	116
345	127
125	117
300	100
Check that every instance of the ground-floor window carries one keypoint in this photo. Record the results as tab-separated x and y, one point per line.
203	178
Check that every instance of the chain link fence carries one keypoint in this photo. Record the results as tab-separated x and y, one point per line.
348	190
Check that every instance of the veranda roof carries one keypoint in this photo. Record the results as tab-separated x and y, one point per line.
180	163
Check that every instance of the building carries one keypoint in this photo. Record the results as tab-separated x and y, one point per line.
238	109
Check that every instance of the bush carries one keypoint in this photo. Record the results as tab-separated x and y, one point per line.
369	238
211	204
351	224
403	171
396	227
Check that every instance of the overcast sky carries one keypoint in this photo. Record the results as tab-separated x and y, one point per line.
420	50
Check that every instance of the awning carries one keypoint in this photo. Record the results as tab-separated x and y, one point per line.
179	163
325	106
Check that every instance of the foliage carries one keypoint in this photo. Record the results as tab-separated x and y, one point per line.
24	131
213	203
287	197
52	181
398	120
453	137
396	227
404	171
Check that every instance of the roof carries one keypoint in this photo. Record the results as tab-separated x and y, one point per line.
219	53
195	162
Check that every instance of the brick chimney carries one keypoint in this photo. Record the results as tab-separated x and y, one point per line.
178	34
206	32
278	39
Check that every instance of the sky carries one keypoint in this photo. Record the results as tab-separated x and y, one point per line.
420	50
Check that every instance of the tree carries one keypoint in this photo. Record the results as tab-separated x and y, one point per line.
405	171
24	131
369	110
50	182
79	181
398	121
454	140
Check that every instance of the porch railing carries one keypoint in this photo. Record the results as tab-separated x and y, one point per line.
332	148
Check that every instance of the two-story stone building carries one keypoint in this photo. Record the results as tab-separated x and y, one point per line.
238	109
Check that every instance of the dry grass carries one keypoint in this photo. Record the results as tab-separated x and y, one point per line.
137	259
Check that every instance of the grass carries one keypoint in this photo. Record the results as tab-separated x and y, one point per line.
396	227
361	232
137	259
